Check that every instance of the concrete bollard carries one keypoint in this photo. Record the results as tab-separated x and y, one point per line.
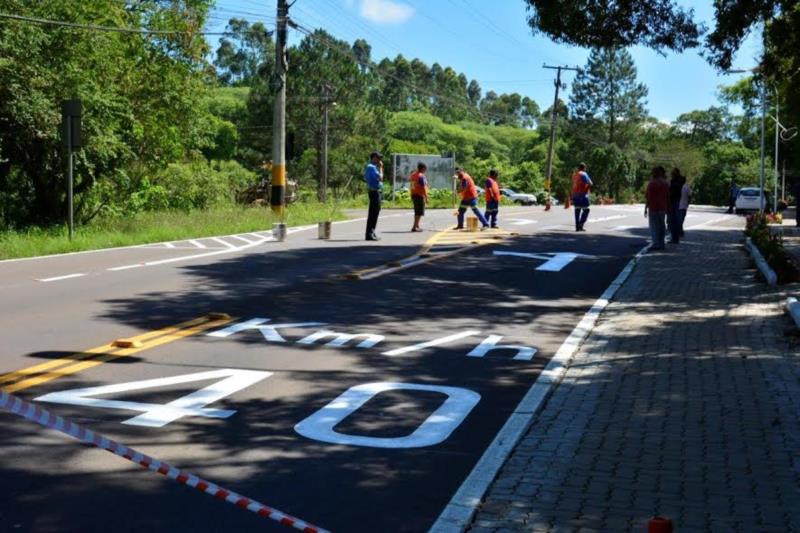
279	231
324	230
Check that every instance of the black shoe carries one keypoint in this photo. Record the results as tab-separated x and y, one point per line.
373	238
459	227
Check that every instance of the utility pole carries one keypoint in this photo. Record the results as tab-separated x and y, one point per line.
277	197
553	115
323	160
777	138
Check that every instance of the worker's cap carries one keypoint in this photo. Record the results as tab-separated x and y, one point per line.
376	154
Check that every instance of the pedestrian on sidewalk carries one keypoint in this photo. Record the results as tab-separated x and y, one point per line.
581	185
656	205
673	222
683	204
492	194
465	186
419	193
373	175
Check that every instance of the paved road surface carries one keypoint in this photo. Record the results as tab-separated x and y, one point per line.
355	385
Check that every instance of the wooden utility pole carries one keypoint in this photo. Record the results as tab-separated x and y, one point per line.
553	115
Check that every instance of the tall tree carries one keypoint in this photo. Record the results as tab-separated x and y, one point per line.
606	90
244	53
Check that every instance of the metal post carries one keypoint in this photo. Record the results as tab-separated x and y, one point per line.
278	85
777	138
70	179
762	200
783	182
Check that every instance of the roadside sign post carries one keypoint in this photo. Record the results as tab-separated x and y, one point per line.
71	111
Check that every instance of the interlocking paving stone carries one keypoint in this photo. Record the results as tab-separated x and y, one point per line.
684	401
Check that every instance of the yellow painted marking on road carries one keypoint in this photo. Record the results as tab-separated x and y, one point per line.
446	238
57	368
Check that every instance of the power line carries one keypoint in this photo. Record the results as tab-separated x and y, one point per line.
95	27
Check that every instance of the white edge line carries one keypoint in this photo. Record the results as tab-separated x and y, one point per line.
248	241
458	513
59	278
197	244
224	243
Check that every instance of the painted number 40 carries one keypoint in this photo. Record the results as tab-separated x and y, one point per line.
319	426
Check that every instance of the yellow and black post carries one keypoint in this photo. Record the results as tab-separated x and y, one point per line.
278	190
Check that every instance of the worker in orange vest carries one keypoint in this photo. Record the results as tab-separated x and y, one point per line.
492	195
581	185
469	198
418	185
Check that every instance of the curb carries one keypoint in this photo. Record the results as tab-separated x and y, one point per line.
761	263
793	308
461	509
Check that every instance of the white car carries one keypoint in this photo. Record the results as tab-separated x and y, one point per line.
519	197
750	199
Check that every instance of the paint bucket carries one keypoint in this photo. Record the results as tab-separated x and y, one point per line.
472	223
324	230
279	231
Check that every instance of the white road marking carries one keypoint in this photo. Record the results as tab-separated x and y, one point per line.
708	222
59	278
248	241
521	221
554	262
222	242
197	243
257	236
432	343
126	267
603	219
556	226
435	429
624	228
459	511
169	245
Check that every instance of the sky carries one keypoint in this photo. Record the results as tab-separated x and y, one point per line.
491	42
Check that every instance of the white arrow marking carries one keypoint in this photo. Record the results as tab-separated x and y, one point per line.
554	262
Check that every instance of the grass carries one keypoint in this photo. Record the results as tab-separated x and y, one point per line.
152	227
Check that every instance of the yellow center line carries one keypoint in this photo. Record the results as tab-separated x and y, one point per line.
78	362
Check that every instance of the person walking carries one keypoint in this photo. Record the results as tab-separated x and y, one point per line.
419	193
581	185
675	185
683	204
465	186
492	195
732	197
656	205
373	175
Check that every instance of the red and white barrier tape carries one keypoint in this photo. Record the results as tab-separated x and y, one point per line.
43	417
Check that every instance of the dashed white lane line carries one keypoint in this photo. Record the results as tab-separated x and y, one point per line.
59	278
197	244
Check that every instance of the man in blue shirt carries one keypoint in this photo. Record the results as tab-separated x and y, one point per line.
373	175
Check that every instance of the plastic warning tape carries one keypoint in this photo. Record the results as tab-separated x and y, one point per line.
43	417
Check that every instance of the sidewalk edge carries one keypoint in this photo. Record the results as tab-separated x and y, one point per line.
761	263
458	513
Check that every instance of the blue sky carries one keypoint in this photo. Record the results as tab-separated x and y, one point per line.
490	41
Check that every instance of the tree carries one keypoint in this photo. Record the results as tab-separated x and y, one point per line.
606	90
245	52
703	126
140	96
658	24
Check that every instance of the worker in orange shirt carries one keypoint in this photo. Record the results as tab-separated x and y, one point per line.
418	186
469	198
492	195
581	185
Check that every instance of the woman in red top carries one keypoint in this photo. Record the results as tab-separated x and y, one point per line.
656	206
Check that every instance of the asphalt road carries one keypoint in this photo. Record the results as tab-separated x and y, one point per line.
354	386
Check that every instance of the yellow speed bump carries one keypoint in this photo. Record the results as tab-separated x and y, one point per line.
44	372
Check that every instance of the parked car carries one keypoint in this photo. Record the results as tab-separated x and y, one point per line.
519	197
750	199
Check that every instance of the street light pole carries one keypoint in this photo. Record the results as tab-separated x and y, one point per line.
777	138
762	200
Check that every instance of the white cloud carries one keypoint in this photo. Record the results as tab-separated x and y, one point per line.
386	11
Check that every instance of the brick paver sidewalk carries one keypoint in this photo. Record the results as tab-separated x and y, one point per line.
683	402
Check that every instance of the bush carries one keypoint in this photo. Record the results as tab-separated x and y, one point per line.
771	247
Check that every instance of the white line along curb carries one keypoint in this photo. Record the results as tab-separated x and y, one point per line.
457	515
43	417
793	308
761	263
